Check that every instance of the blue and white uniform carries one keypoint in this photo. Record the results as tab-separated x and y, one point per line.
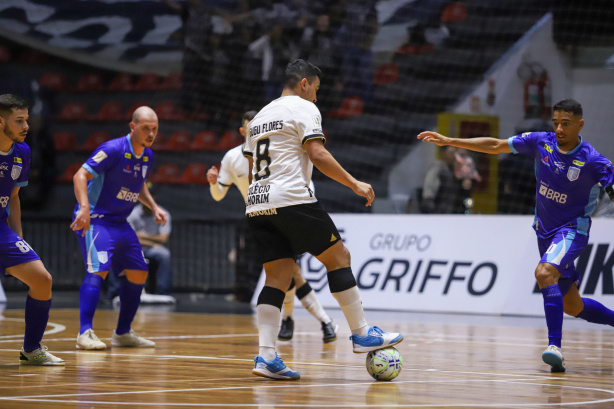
119	176
14	172
568	186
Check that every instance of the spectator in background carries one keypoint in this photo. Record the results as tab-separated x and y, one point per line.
154	237
354	42
466	173
442	192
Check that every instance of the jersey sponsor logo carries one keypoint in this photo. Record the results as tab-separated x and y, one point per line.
525	134
127	155
573	173
127	195
559	165
578	163
100	156
137	169
4	166
4	201
548	148
266	212
258	194
17	160
16	171
317	124
145	158
552	194
127	169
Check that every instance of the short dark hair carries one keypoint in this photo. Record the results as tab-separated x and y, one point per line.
299	69
568	105
8	102
248	116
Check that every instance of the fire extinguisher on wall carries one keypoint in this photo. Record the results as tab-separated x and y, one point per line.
537	90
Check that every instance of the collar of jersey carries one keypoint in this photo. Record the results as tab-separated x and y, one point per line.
132	150
574	150
9	152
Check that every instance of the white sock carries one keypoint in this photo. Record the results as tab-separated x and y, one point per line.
268	326
288	307
311	304
351	305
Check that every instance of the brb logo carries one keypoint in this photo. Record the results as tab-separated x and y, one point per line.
552	195
4	201
127	195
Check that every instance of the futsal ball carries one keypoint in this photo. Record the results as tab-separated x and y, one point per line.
384	364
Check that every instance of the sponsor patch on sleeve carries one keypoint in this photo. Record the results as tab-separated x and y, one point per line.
99	157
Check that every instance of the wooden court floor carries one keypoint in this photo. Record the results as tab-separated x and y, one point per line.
205	361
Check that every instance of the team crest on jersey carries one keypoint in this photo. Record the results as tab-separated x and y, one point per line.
15	171
573	173
145	171
103	257
99	157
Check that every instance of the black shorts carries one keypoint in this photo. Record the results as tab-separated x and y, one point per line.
288	232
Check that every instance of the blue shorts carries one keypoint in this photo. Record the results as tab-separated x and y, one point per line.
561	249
13	249
111	246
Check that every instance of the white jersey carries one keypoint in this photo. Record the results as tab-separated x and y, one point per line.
234	170
282	169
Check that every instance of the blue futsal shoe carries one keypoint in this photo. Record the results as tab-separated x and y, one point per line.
276	369
554	357
375	339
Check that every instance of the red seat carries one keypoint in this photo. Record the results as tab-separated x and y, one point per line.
121	82
194	173
95	140
53	81
69	172
90	83
178	141
386	74
110	111
350	106
5	54
169	111
167	173
65	141
73	111
454	12
171	82
204	141
148	82
229	140
158	144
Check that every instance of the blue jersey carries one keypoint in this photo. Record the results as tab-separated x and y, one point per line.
14	171
119	176
567	183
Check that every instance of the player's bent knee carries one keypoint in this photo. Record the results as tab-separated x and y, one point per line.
341	279
271	296
545	274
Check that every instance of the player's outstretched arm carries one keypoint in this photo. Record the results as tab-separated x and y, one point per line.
327	164
82	219
484	145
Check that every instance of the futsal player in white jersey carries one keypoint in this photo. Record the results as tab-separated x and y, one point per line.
284	142
234	170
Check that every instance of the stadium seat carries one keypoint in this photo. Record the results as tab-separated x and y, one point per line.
5	54
204	141
73	111
454	12
178	141
121	82
350	106
386	74
194	173
166	174
109	111
229	140
65	141
69	172
148	82
158	144
94	140
53	81
90	83
172	82
169	111
133	108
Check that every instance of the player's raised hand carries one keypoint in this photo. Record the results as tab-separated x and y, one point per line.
365	190
160	216
212	175
434	137
82	221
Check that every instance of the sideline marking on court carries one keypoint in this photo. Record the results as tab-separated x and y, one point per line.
55	328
